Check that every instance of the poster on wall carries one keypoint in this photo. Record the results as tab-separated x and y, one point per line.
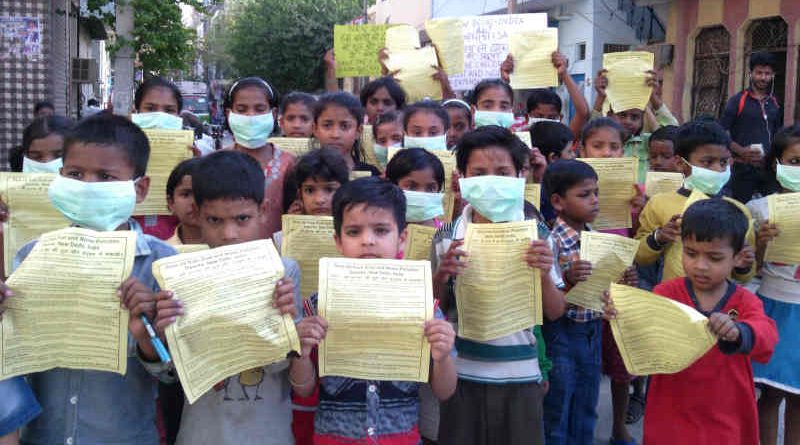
20	38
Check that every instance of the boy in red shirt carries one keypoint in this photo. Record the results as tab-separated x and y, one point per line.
713	400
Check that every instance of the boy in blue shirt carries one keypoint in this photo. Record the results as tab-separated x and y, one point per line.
103	177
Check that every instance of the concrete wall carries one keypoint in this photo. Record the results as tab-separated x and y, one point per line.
412	12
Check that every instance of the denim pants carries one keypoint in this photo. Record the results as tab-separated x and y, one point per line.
570	407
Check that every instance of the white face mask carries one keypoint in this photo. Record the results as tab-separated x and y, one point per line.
431	143
101	206
251	131
534	120
158	120
31	166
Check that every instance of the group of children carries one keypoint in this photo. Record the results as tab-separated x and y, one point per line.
538	385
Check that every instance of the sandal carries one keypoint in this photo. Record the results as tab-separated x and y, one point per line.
635	409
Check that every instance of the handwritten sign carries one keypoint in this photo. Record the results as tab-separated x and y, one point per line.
486	44
356	48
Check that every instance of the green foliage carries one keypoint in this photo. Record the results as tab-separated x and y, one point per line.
282	41
160	40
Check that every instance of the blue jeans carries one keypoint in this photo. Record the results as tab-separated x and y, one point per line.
570	407
19	407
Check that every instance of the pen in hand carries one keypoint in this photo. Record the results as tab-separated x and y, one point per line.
163	354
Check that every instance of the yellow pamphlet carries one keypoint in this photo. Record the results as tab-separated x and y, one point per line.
448	36
610	255
167	149
418	242
376	310
306	239
498	294
525	136
784	211
229	325
402	38
533	194
616	178
30	212
417	68
662	182
627	79
368	147
656	335
65	312
533	58
295	146
189	248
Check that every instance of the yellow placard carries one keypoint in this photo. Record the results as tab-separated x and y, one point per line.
417	68
448	36
376	310
402	38
229	324
610	255
295	146
167	149
418	242
65	312
533	194
662	182
784	211
656	335
533	58
356	48
306	239
616	179
498	294
627	79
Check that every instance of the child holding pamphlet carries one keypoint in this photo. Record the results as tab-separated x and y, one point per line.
503	372
369	220
251	106
295	116
570	406
713	400
103	177
229	194
338	124
780	293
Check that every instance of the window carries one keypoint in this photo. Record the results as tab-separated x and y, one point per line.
711	63
615	48
581	53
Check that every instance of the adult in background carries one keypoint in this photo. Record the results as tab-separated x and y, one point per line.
752	117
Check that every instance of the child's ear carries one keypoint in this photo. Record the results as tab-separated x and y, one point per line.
142	186
557	202
262	212
338	240
552	157
401	240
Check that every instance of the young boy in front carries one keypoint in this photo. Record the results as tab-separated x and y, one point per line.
499	394
103	177
253	406
704	156
574	341
713	400
369	222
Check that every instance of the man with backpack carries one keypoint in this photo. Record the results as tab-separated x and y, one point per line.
752	117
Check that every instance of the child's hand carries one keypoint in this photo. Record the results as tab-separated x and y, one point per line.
506	68
330	59
452	263
560	62
539	256
312	331
639	200
609	311
723	326
5	293
440	335
284	297
670	231
657	85
579	270
538	165
601	83
441	76
766	233
194	150
138	299
746	258
168	309
630	277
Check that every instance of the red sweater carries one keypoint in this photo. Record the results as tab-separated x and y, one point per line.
713	400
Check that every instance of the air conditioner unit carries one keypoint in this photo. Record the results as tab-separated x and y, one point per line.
84	70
